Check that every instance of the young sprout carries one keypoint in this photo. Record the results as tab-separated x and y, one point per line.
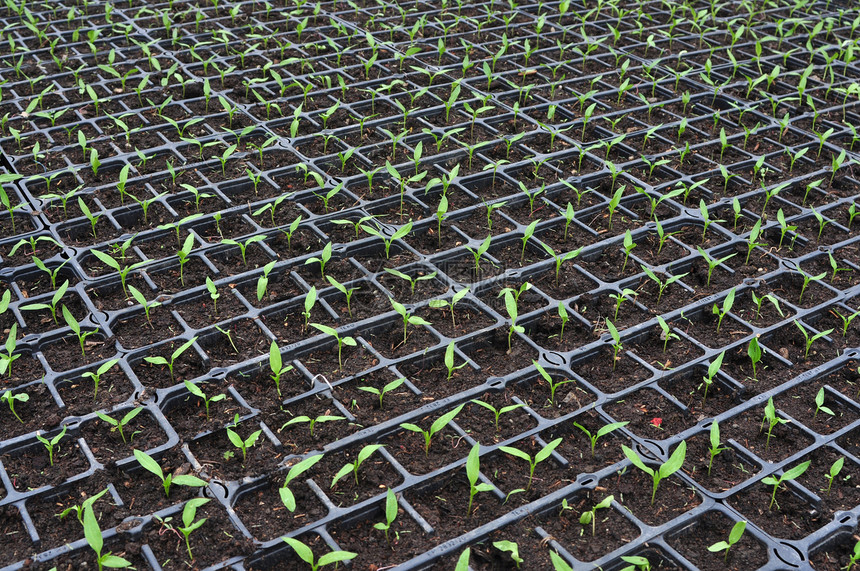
121	424
149	464
407	319
95	540
52	443
141	299
528	233
625	295
443	304
497	412
562	314
713	262
721	313
307	555
771	420
245	444
76	329
542	455
831	475
390	514
734	536
672	465
348	292
51	306
323	259
80	509
176	354
553	386
789	475
811	340
628	247
478	253
616	342
312	422
287	497
713	369
665	332
449	360
243	246
341	341
7	359
189	512
196	391
183	254
401	232
807	279
560	258
661	285
353	467
393	385
413	282
852	561
602	431
819	404
437	425
511	307
590	516
10	399
759	300
754	351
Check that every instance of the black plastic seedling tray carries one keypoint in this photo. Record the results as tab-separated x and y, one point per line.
667	191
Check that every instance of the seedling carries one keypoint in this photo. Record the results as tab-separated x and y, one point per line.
353	467
245	444
413	282
401	232
628	247
728	302
175	355
149	464
616	342
754	351
759	300
529	232
511	548
819	404
811	340
542	455
734	536
672	465
852	561
390	514
305	554
590	516
121	424
553	386
393	385
312	422
196	391
53	274
80	509
807	279
665	332
347	292
287	497
341	341
602	431
147	305
831	475
625	295
478	253
713	369
10	399
497	412
789	475
93	535
7	359
322	260
562	314
310	300
449	360
560	258
771	420
183	254
76	329
189	512
661	285
712	262
407	318
51	306
437	425
51	444
243	246
443	304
